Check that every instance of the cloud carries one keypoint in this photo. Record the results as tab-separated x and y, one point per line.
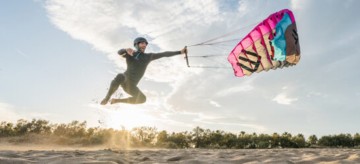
233	123
283	99
110	25
22	53
245	87
189	120
317	94
214	103
299	5
8	113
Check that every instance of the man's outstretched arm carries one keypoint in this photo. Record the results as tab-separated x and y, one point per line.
167	54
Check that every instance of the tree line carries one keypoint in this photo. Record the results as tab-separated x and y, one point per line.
77	133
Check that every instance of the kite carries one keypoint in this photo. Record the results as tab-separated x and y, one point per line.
272	44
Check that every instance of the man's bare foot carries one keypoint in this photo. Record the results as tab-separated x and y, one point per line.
104	101
114	101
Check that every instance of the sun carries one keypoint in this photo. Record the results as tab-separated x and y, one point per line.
128	117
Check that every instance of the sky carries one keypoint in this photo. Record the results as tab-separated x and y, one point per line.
58	57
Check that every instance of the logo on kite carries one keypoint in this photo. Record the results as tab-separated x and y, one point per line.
272	44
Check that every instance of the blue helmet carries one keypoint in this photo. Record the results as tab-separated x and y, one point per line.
139	40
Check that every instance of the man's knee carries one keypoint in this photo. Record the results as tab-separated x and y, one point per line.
120	78
141	99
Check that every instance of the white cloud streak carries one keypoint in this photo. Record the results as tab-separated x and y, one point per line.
245	87
214	103
284	99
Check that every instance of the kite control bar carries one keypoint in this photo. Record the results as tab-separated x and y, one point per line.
186	57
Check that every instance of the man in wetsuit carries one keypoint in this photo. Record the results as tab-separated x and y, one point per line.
136	61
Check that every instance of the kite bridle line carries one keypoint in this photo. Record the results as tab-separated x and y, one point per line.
211	42
203	56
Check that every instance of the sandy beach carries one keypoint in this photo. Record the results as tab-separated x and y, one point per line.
194	156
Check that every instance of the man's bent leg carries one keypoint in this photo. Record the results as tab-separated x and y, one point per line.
137	96
118	80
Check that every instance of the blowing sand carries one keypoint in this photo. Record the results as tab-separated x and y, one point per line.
195	156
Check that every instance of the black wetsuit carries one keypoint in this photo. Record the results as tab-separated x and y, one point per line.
136	66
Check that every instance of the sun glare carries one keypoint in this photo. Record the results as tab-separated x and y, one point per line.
128	117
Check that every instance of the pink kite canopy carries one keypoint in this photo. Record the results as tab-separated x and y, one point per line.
272	44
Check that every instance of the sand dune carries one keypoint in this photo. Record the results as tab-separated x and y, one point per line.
188	156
